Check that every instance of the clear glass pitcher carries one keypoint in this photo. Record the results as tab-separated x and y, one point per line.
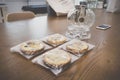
80	20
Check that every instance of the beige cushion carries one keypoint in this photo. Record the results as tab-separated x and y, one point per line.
20	16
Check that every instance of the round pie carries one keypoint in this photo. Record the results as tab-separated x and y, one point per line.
56	58
77	47
56	39
32	47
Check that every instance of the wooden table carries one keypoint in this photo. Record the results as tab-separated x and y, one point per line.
102	63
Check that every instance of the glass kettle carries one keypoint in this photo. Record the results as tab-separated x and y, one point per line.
80	20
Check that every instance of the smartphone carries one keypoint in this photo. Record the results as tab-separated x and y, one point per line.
103	26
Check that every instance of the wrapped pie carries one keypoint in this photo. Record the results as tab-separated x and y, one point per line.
32	47
56	39
77	47
56	58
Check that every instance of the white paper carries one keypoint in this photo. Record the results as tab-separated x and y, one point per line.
17	49
61	7
38	60
91	46
53	45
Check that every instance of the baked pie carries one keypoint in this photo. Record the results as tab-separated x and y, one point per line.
56	58
56	39
77	47
31	47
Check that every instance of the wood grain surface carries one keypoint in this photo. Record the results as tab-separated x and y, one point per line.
101	63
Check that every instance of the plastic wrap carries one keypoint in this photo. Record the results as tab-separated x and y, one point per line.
39	60
16	49
90	47
53	45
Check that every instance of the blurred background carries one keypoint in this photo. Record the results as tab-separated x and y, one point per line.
8	6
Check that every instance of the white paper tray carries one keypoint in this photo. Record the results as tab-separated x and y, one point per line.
38	60
91	46
53	45
16	49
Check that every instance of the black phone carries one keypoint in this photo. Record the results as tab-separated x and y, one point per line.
103	26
